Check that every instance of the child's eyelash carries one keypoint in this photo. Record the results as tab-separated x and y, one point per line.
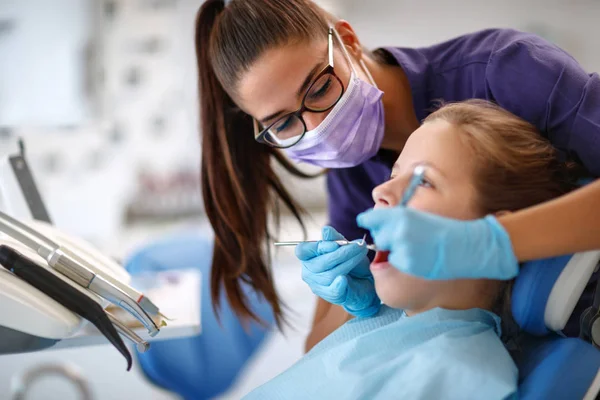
426	183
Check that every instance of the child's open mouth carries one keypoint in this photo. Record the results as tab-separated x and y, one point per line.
380	261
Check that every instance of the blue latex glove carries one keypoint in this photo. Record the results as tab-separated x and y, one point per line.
339	274
434	247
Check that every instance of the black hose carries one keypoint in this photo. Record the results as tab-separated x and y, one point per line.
65	294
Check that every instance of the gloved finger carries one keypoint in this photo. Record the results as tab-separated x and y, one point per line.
416	263
362	270
373	218
309	250
306	251
361	299
382	224
334	259
326	247
335	293
329	233
386	235
326	277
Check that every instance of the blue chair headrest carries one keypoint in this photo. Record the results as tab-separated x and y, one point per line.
546	291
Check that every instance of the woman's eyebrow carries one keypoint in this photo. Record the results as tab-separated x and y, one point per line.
307	81
309	78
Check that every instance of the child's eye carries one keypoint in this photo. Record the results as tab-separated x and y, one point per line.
426	183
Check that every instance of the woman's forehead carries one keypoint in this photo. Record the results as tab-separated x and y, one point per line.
271	82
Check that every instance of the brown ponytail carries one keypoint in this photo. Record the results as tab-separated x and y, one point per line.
239	186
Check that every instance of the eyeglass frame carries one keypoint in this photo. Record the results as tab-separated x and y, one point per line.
328	69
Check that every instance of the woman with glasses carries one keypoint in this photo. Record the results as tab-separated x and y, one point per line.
283	79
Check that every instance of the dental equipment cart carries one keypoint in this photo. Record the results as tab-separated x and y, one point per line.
31	321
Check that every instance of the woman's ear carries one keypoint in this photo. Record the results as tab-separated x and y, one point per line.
349	38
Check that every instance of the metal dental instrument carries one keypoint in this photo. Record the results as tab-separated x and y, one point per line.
415	180
339	242
75	268
140	343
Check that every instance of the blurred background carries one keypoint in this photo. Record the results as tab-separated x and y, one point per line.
103	92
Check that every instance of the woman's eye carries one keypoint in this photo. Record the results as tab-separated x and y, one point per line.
282	125
320	92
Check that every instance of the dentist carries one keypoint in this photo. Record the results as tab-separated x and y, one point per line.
283	78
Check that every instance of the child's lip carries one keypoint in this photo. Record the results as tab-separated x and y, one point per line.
380	261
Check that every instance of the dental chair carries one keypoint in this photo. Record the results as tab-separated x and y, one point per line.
203	366
544	296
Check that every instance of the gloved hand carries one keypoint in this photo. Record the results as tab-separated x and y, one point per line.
434	247
339	274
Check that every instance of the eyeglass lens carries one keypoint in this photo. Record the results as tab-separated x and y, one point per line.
322	95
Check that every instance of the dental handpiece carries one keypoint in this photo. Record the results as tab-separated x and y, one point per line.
140	343
64	293
415	180
75	268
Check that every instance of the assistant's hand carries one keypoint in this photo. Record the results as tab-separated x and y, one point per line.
339	274
434	247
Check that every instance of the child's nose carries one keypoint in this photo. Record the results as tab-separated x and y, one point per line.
384	195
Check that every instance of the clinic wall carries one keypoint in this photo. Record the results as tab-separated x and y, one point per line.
146	103
573	25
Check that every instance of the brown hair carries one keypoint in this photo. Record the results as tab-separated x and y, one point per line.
239	185
516	168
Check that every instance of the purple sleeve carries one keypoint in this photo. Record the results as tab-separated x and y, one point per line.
544	85
346	201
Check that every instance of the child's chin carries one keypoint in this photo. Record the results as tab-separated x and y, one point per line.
398	290
389	296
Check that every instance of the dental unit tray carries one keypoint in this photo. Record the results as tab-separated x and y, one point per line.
64	293
32	317
82	272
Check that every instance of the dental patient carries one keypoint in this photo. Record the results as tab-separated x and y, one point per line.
437	339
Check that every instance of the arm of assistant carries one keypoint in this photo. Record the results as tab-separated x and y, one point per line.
568	224
554	92
328	317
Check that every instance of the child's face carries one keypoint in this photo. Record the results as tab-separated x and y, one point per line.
448	191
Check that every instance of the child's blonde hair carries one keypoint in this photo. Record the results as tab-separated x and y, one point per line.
515	166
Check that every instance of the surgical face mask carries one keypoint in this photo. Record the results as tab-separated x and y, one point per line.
351	133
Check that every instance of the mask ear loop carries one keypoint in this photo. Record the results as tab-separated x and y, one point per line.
349	59
367	72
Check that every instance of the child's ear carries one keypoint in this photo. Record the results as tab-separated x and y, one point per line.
501	213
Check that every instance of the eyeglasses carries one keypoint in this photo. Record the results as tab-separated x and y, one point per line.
322	95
